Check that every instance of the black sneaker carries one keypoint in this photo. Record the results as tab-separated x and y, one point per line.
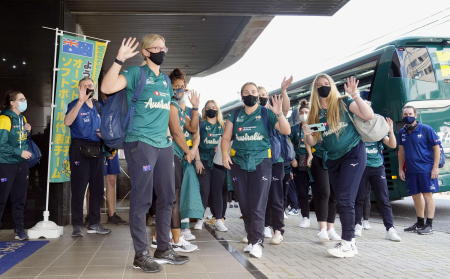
116	220
146	263
413	228
21	235
77	231
98	229
425	230
169	256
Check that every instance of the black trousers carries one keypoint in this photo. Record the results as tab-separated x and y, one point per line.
252	190
323	195
85	171
213	189
175	222
13	185
301	179
345	176
152	171
375	178
275	202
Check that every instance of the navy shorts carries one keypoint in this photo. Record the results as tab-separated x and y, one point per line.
112	166
421	183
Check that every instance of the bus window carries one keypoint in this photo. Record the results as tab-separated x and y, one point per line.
416	63
395	66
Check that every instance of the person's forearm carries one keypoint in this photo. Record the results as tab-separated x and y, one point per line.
401	158
111	79
193	123
365	111
179	139
283	125
73	113
308	150
392	140
197	155
196	140
437	154
309	139
286	105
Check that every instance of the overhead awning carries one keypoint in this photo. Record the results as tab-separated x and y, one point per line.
203	37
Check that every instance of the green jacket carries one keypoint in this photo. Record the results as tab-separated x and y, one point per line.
191	205
13	137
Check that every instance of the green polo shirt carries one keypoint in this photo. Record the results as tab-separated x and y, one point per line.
151	118
209	140
374	152
251	142
338	144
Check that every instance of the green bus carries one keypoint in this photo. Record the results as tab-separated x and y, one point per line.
409	71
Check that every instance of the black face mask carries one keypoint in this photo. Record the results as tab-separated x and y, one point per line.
324	91
210	113
157	58
250	100
263	101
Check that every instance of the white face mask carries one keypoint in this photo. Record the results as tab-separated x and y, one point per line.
303	117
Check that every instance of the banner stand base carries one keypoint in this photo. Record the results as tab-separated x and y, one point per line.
45	229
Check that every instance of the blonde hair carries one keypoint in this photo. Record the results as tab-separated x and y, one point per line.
148	40
334	106
219	113
262	88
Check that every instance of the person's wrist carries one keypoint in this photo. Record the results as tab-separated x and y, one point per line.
120	57
195	108
119	61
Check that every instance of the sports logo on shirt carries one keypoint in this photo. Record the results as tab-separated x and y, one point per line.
419	136
165	83
240	119
150	80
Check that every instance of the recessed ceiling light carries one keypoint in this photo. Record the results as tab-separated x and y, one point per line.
24	63
14	66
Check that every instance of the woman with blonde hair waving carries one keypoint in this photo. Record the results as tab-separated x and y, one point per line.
330	112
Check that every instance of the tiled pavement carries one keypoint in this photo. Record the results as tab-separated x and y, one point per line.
300	256
111	257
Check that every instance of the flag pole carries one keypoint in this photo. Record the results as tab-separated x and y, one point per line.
46	228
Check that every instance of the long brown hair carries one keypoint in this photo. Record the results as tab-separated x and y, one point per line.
334	106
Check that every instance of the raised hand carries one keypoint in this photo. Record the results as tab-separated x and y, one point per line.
194	98
82	95
286	83
127	49
351	86
276	105
390	124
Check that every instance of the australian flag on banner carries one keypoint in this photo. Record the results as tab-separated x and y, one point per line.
78	47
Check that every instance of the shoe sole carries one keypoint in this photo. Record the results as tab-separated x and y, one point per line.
342	256
77	235
184	251
425	233
256	257
96	232
146	271
164	261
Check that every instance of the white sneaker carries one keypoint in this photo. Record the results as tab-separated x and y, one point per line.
305	222
267	232
358	230
248	248
353	244
333	235
244	239
220	226
323	235
199	225
184	246
366	225
187	234
343	249
256	251
277	238
285	216
392	234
